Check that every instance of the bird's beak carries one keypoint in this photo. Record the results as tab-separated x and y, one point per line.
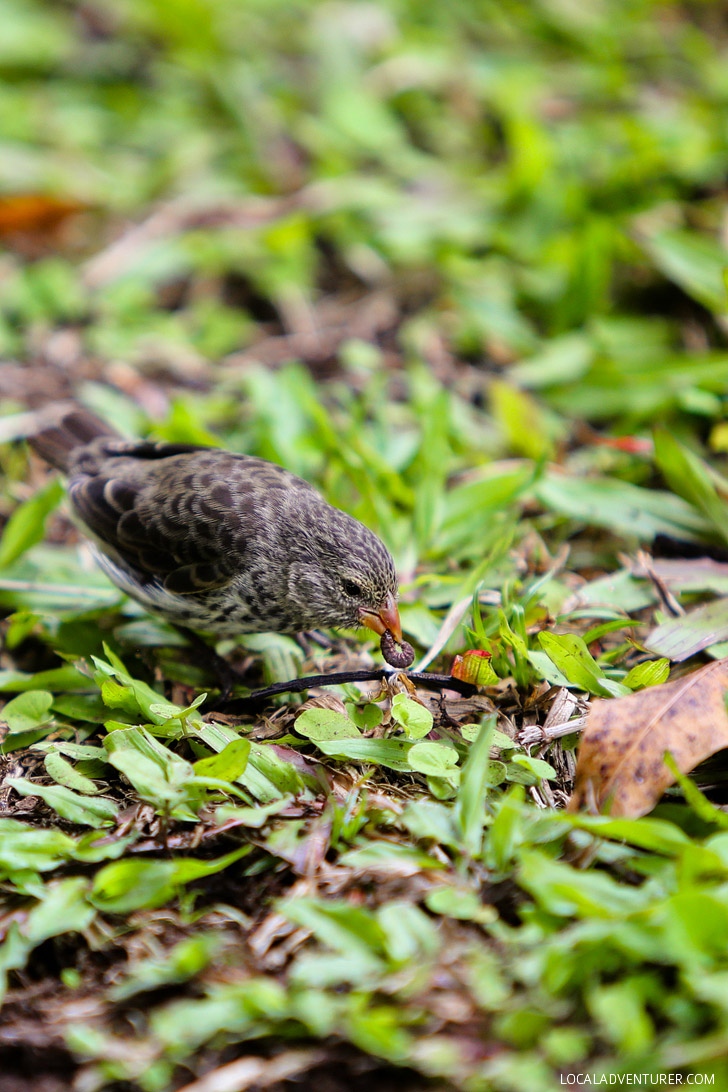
386	619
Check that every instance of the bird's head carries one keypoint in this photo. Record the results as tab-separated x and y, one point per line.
343	576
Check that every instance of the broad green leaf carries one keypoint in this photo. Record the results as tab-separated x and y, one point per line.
568	652
499	739
365	717
546	668
84	707
325	724
282	657
82	751
561	360
64	773
536	765
128	885
617	591
413	717
29	710
392	753
267	776
519	775
434	759
148	778
649	673
158	761
19	627
23	847
144	697
195	793
228	764
498	772
468	507
89	811
620	1008
528	429
116	696
695	924
94	846
460	903
63	909
55	679
256	1000
716	843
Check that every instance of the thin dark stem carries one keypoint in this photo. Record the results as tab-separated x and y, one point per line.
229	678
427	679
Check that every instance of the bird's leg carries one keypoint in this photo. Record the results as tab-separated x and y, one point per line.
318	638
225	675
310	637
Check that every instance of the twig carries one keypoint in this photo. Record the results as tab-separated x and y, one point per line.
427	679
668	600
536	734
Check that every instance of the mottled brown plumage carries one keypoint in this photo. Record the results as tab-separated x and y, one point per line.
218	541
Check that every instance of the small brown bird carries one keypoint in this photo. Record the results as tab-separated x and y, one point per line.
220	542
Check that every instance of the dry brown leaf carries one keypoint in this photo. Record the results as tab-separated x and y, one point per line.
621	764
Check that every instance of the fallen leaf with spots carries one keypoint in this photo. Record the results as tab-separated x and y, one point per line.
621	767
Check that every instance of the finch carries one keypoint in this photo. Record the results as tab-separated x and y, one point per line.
217	541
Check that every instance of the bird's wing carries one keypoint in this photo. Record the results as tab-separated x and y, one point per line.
175	514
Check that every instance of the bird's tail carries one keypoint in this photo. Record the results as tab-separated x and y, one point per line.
65	427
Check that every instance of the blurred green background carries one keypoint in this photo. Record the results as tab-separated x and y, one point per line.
512	173
382	243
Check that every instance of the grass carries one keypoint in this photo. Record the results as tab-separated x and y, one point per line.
462	267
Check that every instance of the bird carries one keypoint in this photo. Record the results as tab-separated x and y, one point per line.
216	541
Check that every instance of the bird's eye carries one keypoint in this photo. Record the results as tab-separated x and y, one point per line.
351	588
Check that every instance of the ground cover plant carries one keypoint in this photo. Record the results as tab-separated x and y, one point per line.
462	267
